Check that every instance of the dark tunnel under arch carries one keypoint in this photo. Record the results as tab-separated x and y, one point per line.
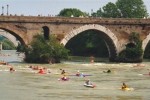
20	39
109	37
46	32
109	45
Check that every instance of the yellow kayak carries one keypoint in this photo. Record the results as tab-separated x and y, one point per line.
128	89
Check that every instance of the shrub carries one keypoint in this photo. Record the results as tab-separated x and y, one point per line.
45	51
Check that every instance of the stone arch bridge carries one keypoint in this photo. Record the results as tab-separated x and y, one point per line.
114	31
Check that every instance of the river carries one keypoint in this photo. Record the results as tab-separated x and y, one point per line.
26	84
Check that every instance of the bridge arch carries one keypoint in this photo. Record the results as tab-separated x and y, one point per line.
109	37
20	39
145	42
9	37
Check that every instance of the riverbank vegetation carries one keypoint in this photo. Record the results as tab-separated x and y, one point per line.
6	44
43	50
133	51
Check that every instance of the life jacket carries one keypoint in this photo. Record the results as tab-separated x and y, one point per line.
41	71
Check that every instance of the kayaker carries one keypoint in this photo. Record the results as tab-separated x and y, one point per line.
124	86
11	69
41	71
92	59
30	66
63	72
87	82
78	73
108	71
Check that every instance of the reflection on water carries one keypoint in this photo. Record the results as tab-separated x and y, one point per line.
26	84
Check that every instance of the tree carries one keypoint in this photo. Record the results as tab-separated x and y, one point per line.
21	48
132	8
45	51
72	12
98	13
110	11
133	51
123	9
7	45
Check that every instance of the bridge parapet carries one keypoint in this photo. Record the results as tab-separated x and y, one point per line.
75	20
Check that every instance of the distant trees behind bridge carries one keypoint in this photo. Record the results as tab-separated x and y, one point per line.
6	44
119	9
72	12
123	9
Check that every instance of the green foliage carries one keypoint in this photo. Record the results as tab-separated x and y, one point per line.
132	8
68	12
99	13
7	45
86	44
110	10
123	9
134	37
21	48
133	50
44	51
2	38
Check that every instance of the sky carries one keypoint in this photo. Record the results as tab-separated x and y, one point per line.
53	7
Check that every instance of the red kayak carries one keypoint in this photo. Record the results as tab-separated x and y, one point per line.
146	74
41	71
63	79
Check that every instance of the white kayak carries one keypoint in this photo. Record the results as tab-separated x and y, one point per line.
90	85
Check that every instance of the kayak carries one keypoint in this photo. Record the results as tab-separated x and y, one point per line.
128	89
81	75
41	72
145	74
61	79
90	85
